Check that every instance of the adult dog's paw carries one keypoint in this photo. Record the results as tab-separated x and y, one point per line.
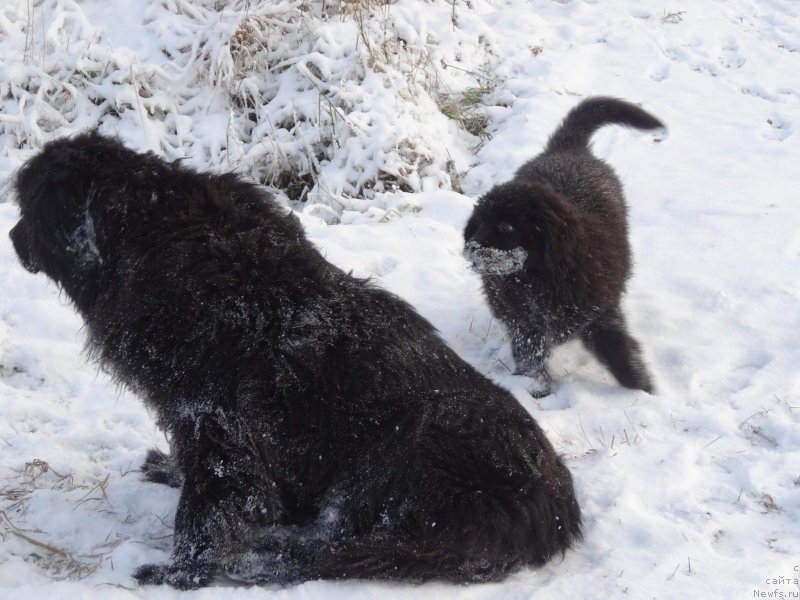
171	574
159	467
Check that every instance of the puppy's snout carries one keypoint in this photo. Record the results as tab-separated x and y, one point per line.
22	248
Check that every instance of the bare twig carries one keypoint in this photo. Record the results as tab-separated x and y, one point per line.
505	366
488	329
47	547
102	486
763	411
586	437
675	571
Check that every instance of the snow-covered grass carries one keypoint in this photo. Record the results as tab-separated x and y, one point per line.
382	122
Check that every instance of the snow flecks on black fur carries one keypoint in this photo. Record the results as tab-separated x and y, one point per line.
494	261
320	428
570	220
83	243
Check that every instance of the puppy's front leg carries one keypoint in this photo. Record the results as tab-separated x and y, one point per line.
530	349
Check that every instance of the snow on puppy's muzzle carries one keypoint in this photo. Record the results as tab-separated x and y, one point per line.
493	261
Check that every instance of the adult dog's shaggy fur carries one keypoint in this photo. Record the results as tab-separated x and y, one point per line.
552	248
320	428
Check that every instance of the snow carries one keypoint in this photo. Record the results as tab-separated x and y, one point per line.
694	492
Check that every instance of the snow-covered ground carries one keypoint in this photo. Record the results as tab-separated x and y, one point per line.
694	492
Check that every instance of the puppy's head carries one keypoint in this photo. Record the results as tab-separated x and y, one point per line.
56	232
520	227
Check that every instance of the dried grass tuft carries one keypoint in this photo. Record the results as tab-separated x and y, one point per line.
55	561
467	108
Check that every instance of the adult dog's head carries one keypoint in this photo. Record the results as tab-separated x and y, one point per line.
521	227
57	192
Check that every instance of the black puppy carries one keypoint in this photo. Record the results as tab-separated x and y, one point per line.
552	248
321	428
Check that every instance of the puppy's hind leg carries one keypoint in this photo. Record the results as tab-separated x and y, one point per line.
608	339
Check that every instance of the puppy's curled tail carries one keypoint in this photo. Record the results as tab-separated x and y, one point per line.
592	114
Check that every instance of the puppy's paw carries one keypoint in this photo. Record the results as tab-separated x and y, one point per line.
170	574
538	382
539	389
159	467
636	377
645	383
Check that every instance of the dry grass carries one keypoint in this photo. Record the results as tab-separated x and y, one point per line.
673	17
466	108
353	8
55	561
769	503
296	91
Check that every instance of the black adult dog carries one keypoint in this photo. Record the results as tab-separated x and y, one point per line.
552	248
321	427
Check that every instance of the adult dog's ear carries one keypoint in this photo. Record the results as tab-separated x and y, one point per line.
74	230
81	239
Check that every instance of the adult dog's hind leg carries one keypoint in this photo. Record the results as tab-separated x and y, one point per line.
286	557
609	340
481	493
